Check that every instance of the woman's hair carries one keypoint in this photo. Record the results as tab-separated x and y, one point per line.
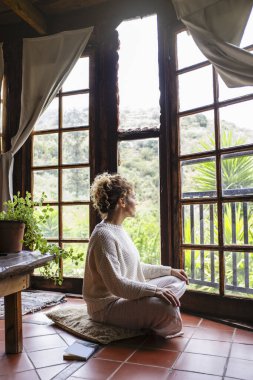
106	191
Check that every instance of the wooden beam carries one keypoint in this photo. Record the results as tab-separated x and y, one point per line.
32	16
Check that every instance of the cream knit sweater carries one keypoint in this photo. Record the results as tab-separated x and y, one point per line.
113	269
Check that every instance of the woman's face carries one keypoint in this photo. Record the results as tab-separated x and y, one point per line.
130	204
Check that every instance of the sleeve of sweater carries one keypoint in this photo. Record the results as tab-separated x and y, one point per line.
153	271
108	266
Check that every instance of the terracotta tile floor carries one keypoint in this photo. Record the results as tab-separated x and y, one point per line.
207	351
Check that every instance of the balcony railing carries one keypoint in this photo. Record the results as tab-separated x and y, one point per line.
196	269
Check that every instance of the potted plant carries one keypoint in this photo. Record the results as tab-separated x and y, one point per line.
31	216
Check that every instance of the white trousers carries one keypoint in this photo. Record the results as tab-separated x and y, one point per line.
147	312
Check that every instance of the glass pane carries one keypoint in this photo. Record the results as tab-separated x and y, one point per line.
75	111
247	38
237	173
239	274
230	93
197	132
50	229
49	118
76	184
45	181
138	74
75	147
75	222
139	163
45	150
236	124
202	268
69	268
187	51
198	178
238	223
78	78
200	224
195	88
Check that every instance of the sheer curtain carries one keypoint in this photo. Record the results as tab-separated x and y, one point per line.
47	62
217	27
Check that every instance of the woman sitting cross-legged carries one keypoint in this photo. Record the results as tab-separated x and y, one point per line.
118	288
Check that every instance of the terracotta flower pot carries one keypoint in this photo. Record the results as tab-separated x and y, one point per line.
11	234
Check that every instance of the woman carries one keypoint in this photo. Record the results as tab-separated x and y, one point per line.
118	288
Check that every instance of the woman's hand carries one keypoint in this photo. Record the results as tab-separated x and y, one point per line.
180	273
167	296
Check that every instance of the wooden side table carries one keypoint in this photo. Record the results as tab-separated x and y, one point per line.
15	270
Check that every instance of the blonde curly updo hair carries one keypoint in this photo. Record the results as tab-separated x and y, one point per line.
106	191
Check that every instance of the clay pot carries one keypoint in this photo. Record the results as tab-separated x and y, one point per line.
11	234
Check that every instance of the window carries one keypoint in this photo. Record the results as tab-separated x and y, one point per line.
61	163
216	175
138	135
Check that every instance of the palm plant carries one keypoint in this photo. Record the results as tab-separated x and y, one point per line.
237	171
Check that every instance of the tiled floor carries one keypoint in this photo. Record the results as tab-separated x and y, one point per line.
207	351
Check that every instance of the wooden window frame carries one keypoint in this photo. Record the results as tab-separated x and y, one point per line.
73	284
221	305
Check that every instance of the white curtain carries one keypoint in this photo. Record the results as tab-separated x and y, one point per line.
217	27
47	61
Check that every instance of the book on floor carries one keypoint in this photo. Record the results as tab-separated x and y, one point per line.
80	350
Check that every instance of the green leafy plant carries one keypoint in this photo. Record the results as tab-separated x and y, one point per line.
34	214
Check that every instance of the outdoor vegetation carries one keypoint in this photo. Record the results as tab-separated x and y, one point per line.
139	162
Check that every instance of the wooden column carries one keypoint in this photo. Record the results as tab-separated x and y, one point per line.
106	128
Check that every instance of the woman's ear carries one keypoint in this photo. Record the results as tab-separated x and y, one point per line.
122	202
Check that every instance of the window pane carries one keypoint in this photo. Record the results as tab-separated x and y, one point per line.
50	229
195	88
230	93
49	118
236	124
139	163
200	224
75	147
202	268
197	132
76	184
247	38
198	178
237	173
238	223
45	181
45	150
187	51
75	222
239	274
75	111
70	269
78	78
138	74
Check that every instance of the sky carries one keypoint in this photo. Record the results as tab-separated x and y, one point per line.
138	63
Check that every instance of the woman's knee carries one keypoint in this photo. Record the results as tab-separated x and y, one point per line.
171	323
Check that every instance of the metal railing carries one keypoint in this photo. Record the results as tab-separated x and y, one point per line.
199	277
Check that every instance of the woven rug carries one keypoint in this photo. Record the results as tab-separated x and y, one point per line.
34	300
76	320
